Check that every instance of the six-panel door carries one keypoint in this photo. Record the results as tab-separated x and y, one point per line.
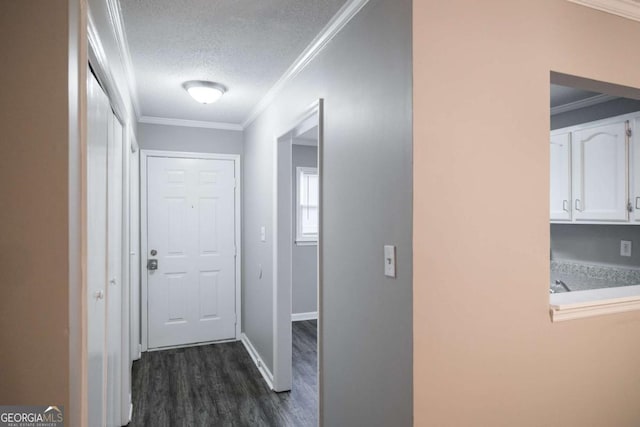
191	228
600	173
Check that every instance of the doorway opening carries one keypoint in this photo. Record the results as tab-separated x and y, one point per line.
297	257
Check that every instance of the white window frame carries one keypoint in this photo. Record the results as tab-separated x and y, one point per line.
301	238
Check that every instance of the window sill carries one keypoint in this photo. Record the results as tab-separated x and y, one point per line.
596	302
307	242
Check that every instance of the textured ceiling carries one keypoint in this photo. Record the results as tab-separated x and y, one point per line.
244	44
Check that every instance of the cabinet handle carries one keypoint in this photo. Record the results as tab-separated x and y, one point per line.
578	203
637	202
565	205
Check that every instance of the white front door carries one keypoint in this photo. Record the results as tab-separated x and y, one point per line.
191	235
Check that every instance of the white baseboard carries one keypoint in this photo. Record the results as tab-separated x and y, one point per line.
255	356
312	315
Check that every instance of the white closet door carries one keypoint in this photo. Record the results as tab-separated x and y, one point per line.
134	237
600	173
114	289
560	191
97	141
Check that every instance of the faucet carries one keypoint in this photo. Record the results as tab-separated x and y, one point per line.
564	285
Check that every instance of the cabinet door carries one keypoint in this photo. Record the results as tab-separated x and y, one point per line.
635	169
600	173
560	191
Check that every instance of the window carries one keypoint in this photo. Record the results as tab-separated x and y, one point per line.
307	205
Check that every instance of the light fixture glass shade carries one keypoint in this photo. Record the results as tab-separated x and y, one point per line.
204	92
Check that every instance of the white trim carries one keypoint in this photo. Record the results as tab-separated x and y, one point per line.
320	258
189	123
306	242
335	25
298	317
144	155
77	345
597	302
596	123
582	103
117	25
626	8
255	356
102	70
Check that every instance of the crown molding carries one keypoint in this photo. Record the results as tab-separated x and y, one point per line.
626	8
583	103
335	25
189	123
117	25
102	71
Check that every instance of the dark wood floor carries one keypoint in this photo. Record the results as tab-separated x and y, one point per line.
218	385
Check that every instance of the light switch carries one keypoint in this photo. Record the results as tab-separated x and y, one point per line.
625	248
390	261
263	234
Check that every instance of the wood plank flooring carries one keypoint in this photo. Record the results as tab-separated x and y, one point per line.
218	385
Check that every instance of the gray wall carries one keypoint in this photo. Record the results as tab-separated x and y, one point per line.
595	112
197	140
305	258
586	242
365	77
595	243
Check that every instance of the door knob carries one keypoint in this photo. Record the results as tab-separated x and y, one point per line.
99	294
152	264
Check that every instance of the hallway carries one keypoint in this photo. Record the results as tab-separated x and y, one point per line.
219	384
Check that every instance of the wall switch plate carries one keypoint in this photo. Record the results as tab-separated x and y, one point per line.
625	248
390	261
263	234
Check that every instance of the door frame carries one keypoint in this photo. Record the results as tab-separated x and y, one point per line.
144	156
282	284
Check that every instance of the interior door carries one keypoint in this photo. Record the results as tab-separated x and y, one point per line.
97	144
114	256
191	236
600	173
560	194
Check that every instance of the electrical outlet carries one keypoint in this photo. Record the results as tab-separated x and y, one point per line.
625	248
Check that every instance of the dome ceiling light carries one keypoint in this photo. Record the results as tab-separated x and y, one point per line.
204	92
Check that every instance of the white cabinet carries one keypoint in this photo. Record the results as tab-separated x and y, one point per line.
635	169
560	194
595	172
600	173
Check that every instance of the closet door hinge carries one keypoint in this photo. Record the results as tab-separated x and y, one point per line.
629	132
629	206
